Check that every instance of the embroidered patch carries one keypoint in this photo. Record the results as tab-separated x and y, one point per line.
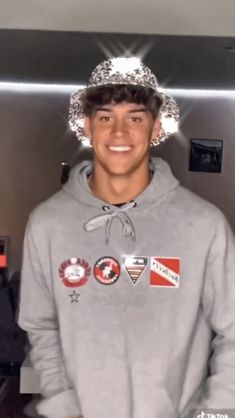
164	272
74	272
74	297
107	270
134	266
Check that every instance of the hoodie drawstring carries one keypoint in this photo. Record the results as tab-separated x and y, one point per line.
107	219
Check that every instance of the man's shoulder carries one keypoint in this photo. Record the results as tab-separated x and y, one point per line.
196	206
50	210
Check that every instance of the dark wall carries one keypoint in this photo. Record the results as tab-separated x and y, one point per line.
34	141
206	118
69	57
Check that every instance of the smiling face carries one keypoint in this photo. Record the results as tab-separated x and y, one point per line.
120	135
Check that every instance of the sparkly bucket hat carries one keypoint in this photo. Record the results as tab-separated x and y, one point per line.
130	71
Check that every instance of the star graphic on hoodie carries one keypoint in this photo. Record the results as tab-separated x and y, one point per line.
74	297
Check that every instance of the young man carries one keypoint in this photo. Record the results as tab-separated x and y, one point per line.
128	289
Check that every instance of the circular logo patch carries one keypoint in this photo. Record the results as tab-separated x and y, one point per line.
74	272
107	270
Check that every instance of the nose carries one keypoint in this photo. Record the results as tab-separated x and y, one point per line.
119	127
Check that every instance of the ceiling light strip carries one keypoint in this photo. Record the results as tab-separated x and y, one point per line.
69	88
190	92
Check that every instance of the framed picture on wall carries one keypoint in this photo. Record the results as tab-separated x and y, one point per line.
206	155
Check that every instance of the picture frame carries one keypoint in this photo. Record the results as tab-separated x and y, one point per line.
206	155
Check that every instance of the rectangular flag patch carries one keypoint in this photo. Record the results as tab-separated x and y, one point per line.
164	272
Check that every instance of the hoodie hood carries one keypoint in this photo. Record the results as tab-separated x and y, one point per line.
77	187
161	184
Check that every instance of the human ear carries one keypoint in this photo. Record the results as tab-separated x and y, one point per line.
156	128
87	126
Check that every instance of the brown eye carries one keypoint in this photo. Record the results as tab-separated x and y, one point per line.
105	118
136	119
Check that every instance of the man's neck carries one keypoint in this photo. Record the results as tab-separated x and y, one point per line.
114	189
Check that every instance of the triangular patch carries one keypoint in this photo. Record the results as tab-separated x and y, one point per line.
134	266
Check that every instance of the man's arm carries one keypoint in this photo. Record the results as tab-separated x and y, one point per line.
37	316
219	307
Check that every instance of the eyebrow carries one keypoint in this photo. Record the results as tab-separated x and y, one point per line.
138	110
108	109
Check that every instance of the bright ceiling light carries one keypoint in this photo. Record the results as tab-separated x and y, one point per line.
69	88
203	93
20	87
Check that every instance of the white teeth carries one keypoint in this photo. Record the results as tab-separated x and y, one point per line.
120	148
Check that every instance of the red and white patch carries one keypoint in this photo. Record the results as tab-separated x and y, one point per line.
74	272
164	272
107	270
134	266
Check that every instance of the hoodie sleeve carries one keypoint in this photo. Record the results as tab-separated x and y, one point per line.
37	316
219	306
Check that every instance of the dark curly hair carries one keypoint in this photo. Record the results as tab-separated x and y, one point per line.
118	93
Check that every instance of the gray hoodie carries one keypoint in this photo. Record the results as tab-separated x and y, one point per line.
121	303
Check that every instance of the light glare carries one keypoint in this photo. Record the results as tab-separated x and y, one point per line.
169	125
125	65
86	143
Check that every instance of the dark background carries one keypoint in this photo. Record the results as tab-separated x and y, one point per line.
69	57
